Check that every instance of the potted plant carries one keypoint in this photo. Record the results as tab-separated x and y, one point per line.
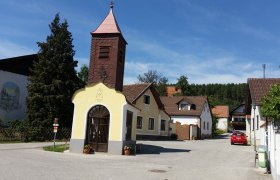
87	149
128	150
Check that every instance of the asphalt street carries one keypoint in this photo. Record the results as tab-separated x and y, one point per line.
158	160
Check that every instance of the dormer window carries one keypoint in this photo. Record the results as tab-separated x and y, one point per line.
146	99
186	106
193	107
183	106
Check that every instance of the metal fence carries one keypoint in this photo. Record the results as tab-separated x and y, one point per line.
10	134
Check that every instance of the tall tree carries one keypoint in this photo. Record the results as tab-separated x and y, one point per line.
83	74
271	103
183	84
152	76
53	81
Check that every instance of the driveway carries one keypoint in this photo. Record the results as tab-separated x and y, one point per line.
159	160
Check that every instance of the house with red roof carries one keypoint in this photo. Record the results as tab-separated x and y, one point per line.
190	110
222	113
153	122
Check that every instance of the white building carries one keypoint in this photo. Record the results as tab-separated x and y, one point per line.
222	113
13	87
190	110
258	128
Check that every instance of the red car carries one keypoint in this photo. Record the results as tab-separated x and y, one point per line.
238	138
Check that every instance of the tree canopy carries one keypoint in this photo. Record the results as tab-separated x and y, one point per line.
53	80
271	103
183	84
152	76
83	73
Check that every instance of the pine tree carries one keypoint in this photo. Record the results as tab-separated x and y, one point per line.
53	81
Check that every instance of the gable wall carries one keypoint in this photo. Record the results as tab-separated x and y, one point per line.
150	111
13	109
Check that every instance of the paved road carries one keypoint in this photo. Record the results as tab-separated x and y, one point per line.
160	160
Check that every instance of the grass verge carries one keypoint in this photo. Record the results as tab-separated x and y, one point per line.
218	132
57	148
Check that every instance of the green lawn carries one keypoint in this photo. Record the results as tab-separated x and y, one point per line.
57	148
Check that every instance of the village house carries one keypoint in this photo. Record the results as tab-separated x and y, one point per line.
238	118
222	114
153	122
193	111
259	129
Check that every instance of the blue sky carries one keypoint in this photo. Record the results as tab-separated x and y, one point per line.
219	41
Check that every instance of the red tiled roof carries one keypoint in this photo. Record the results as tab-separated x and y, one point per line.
221	111
134	91
171	90
109	24
259	87
171	105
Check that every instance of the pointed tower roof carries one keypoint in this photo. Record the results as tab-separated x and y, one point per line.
108	25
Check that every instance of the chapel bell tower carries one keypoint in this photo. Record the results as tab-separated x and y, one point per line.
107	55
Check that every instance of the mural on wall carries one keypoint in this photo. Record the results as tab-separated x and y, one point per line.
9	97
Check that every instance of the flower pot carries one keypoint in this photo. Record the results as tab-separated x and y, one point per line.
86	150
127	152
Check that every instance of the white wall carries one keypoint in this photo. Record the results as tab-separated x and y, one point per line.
254	115
274	152
222	124
186	119
207	118
9	110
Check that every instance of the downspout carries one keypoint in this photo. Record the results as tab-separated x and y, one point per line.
199	131
268	152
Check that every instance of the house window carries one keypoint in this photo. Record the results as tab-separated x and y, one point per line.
139	122
104	52
162	125
151	124
204	125
207	125
193	107
146	99
183	106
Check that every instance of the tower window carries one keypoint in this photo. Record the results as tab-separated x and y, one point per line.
104	52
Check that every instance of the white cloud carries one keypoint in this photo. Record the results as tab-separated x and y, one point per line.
10	49
212	66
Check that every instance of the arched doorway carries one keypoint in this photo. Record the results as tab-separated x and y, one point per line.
98	128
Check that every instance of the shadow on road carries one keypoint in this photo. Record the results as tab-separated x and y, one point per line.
222	136
151	149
